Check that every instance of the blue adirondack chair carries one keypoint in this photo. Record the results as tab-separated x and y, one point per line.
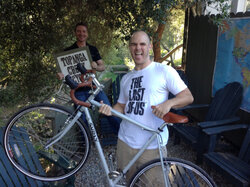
221	111
235	168
10	176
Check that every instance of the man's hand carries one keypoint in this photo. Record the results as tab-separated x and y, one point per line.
105	109
180	100
94	65
98	65
60	76
161	109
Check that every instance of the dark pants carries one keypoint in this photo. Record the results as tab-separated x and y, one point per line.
83	95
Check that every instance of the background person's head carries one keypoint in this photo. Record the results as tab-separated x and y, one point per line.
81	32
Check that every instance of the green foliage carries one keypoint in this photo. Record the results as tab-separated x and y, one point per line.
177	62
27	41
9	96
221	6
117	51
173	33
109	75
128	16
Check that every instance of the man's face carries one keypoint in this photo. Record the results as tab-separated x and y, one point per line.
139	47
81	33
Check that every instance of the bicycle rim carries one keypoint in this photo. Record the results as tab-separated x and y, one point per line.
29	130
179	173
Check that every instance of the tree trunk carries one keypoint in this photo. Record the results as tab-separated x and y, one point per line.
157	42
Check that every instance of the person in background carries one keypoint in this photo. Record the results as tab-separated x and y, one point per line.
148	84
81	34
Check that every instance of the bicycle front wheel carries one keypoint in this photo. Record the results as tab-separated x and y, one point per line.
30	129
178	173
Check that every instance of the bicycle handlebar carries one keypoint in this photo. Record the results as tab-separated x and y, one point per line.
74	85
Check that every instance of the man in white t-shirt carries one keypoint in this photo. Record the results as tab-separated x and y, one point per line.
147	85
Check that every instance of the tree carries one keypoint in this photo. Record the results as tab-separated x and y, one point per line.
25	44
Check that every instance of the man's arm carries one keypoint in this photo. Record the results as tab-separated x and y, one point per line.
180	100
98	65
106	109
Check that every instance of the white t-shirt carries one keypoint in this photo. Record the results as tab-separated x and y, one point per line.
139	91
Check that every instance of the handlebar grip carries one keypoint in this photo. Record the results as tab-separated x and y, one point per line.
81	68
69	81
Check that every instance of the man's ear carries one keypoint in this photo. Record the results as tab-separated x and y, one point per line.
150	46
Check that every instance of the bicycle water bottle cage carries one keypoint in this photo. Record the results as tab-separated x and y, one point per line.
171	117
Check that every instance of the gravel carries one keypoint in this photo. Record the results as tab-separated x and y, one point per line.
92	174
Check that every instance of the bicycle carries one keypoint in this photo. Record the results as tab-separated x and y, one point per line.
61	141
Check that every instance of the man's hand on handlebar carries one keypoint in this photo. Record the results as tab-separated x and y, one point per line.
105	109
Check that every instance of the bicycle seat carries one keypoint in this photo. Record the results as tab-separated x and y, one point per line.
171	117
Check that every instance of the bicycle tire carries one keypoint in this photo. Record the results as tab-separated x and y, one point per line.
180	173
28	131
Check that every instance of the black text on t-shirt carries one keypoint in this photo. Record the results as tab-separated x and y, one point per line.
136	94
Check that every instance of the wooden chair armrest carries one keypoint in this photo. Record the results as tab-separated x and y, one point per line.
192	106
213	133
209	124
218	130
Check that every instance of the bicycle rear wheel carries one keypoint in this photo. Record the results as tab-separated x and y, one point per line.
179	173
27	133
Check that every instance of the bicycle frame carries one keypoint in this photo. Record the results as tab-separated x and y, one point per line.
155	134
